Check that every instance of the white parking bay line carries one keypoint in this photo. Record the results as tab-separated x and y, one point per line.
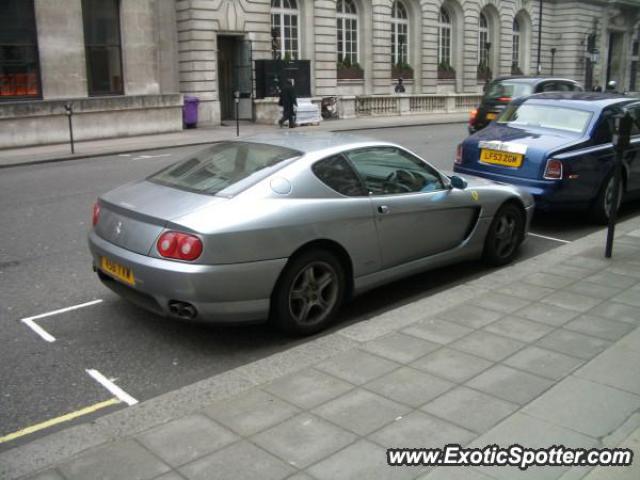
112	387
549	238
46	336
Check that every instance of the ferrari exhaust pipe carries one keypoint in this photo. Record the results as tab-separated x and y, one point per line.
182	310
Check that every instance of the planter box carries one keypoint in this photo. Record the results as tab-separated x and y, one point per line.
404	73
446	75
350	73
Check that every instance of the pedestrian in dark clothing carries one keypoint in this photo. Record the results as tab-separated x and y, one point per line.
399	87
287	102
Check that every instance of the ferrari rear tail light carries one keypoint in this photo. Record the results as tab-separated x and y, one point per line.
459	154
181	246
553	170
504	99
96	214
472	116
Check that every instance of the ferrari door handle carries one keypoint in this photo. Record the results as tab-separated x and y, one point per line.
383	209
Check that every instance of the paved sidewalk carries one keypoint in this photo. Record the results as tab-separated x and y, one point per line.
203	135
540	353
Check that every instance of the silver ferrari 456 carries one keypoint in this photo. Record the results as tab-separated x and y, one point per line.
289	226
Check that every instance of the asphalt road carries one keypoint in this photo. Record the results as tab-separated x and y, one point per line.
45	213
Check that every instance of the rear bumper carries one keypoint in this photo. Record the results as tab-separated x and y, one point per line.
548	194
232	293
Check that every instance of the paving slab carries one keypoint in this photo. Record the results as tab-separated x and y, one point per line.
452	364
170	476
616	368
543	362
359	461
48	475
303	440
573	271
609	279
573	343
548	280
519	329
584	406
455	473
361	411
437	330
401	348
599	327
617	311
126	460
510	384
472	316
308	388
197	436
548	314
470	409
594	290
409	386
530	432
526	291
420	430
240	461
500	302
487	345
571	301
357	366
628	297
253	411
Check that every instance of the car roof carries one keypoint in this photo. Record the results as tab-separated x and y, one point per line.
585	100
533	80
307	142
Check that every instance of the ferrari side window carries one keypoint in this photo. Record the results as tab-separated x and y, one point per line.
336	173
389	170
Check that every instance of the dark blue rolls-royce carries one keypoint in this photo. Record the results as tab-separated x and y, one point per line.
558	147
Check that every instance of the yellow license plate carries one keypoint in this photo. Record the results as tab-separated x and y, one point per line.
118	271
501	158
492	116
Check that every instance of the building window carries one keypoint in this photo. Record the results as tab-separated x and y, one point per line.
399	34
444	39
102	46
347	26
515	59
284	20
483	40
19	66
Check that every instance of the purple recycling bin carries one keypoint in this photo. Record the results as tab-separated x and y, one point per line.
190	111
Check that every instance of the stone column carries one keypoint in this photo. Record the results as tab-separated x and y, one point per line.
61	47
429	45
139	49
325	43
381	61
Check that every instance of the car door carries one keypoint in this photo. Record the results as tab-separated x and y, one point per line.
417	214
632	157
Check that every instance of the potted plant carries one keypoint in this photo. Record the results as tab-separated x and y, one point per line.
349	71
446	71
484	72
515	69
402	70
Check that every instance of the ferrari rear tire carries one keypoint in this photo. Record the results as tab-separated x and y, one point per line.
505	235
308	294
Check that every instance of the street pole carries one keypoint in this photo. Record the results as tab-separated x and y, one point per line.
236	96
69	112
539	68
553	58
621	138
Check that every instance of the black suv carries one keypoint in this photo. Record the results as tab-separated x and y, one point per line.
502	90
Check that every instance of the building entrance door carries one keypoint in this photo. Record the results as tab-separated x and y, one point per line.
235	75
615	58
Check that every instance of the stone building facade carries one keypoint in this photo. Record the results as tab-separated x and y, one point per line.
355	50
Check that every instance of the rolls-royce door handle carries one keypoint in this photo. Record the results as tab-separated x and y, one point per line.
383	209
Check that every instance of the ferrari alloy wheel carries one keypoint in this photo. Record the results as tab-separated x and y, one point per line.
309	292
505	235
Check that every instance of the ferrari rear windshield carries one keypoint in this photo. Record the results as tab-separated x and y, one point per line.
546	116
225	168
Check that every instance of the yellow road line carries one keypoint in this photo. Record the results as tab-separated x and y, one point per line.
58	420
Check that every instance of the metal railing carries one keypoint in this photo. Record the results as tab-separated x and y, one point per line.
378	105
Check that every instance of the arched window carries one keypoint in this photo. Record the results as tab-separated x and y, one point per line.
444	38
347	26
515	59
483	40
284	20
399	33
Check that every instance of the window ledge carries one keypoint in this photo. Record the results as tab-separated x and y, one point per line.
351	81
